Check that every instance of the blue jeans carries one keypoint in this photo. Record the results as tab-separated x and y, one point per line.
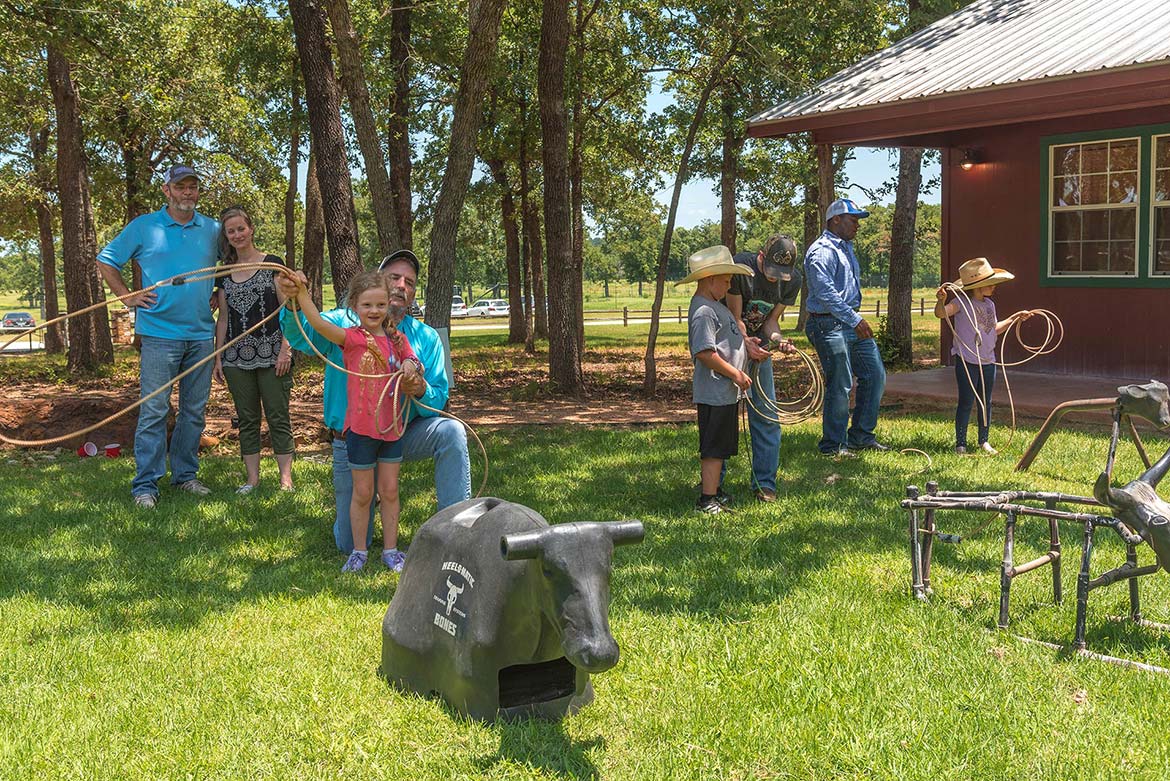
765	432
843	354
984	383
438	438
162	360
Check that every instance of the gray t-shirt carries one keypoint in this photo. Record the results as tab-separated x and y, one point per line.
710	326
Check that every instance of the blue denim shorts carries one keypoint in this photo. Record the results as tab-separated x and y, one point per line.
364	452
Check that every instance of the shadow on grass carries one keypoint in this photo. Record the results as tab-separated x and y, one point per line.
543	746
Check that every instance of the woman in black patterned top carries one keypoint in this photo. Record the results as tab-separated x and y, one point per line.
257	368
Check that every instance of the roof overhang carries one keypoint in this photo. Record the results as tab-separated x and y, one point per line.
925	121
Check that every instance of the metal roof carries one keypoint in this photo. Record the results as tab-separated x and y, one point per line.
995	43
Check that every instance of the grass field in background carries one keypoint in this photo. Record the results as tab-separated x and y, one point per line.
218	639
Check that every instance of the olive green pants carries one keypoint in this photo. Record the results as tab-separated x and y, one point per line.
251	389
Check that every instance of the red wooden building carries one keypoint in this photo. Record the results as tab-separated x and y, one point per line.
1061	109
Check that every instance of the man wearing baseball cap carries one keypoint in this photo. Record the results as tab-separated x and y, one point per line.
756	302
427	435
175	325
843	339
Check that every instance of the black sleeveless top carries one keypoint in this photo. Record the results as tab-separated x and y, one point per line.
248	303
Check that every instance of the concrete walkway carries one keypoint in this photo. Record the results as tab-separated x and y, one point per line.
1034	393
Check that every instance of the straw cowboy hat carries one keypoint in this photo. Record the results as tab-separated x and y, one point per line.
712	261
977	272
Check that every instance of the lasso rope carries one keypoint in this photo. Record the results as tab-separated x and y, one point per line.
1053	338
791	412
393	379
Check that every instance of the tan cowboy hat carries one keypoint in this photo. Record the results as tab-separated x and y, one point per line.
977	272
710	262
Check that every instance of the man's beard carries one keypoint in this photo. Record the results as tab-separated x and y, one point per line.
183	206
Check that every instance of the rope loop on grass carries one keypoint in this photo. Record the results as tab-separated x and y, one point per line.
393	379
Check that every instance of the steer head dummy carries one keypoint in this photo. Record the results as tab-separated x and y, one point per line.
1150	401
575	559
1138	506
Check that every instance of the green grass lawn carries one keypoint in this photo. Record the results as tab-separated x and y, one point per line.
218	639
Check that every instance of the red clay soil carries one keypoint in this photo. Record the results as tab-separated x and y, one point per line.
487	394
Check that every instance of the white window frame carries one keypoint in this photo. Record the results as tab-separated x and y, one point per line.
1053	210
1152	257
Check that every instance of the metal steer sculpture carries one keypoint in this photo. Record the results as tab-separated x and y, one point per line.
1139	507
502	615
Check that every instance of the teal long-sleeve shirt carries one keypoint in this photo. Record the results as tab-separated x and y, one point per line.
424	339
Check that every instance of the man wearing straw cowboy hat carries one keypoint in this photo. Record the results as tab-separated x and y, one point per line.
717	346
843	339
176	328
756	302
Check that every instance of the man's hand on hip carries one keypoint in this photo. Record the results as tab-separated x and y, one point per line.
863	330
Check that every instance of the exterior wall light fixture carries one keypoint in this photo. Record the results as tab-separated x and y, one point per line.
971	158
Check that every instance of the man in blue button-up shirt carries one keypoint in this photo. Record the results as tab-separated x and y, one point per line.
843	339
176	328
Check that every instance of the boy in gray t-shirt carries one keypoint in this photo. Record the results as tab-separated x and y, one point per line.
717	347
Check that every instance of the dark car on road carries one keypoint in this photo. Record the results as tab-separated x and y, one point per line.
17	320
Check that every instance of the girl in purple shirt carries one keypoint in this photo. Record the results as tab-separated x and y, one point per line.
976	328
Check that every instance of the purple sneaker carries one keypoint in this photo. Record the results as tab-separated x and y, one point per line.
394	559
355	562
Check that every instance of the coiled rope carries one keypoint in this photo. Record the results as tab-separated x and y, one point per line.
393	379
1053	337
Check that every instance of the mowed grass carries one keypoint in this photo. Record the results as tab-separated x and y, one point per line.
218	639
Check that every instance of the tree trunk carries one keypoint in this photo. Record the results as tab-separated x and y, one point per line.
314	247
89	334
39	147
576	171
564	350
517	333
294	160
902	236
531	217
398	143
729	170
650	379
328	140
526	272
353	78
484	30
812	231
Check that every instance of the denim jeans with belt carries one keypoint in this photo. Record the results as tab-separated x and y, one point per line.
161	361
765	433
442	439
843	354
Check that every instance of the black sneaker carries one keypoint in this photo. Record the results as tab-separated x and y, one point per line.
875	445
709	506
725	499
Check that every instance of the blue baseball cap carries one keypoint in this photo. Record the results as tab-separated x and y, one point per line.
179	172
844	206
397	255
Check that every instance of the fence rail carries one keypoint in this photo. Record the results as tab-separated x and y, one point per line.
677	313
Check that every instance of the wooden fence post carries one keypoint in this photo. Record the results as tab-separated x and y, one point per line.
680	314
877	309
625	315
922	306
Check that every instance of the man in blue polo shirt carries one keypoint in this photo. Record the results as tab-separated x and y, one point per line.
427	435
175	325
843	339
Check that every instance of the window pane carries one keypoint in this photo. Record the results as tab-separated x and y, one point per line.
1162	258
1123	188
1066	191
1162	151
1123	155
1095	158
1095	256
1095	225
1122	224
1094	189
1121	256
1066	160
1066	226
1162	186
1162	223
1066	258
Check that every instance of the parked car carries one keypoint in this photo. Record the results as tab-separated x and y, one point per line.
17	320
416	310
488	307
458	308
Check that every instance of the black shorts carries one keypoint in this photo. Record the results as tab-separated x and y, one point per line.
718	431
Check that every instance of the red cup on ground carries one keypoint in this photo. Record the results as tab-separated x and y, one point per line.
113	450
86	450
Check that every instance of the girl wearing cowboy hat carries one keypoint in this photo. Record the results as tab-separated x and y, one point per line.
975	327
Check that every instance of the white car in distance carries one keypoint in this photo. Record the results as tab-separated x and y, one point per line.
489	307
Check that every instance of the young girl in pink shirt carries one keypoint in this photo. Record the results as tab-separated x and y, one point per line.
372	433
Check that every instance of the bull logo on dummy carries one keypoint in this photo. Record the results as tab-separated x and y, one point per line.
502	615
